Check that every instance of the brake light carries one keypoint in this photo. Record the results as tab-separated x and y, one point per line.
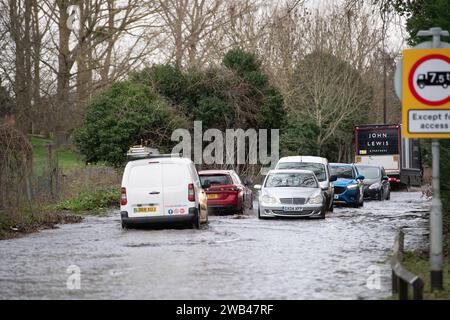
123	196
191	192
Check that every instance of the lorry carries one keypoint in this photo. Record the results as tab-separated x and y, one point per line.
384	145
434	78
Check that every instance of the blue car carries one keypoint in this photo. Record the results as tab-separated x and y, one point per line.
349	186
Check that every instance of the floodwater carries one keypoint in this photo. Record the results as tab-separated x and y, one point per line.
344	256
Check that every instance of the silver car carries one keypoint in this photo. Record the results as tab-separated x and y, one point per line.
291	193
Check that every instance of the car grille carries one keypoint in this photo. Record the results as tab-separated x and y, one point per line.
292	200
339	190
293	213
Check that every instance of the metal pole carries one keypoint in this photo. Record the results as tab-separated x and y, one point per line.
436	257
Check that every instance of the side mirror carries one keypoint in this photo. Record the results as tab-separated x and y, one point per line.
333	178
385	178
206	184
257	187
360	177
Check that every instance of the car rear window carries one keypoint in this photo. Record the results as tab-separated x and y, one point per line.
216	179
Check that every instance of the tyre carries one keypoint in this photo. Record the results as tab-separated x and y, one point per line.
259	215
322	214
380	195
196	222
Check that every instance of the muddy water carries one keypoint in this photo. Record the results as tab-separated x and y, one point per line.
230	258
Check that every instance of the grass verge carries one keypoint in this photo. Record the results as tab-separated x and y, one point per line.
14	223
92	201
67	159
418	263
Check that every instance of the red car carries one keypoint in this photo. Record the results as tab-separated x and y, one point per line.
225	191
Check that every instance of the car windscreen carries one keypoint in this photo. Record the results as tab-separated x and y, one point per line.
342	172
369	172
216	179
299	180
317	168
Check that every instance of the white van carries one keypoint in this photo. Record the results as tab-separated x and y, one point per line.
162	189
319	166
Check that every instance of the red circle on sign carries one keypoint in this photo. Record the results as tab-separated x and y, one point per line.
411	80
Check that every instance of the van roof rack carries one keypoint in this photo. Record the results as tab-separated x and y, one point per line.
140	152
143	152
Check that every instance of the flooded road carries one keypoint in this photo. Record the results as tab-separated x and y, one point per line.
231	258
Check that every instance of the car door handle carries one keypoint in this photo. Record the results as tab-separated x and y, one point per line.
154	192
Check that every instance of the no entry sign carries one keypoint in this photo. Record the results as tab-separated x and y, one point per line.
426	93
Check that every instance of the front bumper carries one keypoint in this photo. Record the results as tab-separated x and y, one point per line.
277	210
371	193
349	196
151	220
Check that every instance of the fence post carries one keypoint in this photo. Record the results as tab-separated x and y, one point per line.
394	283
53	171
403	289
418	289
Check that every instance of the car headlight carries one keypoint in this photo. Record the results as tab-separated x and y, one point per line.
315	199
376	185
352	186
269	199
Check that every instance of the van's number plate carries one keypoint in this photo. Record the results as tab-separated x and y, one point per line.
144	209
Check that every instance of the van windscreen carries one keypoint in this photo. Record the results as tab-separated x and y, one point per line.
317	168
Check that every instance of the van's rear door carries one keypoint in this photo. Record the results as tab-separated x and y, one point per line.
176	181
145	189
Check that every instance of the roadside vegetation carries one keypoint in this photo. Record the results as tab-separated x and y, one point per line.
92	201
419	264
30	202
422	15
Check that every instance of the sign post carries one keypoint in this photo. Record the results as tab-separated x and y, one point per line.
422	83
426	113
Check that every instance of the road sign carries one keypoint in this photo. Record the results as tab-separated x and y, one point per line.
426	93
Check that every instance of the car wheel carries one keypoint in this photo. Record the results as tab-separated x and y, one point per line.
380	195
196	223
259	214
322	214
